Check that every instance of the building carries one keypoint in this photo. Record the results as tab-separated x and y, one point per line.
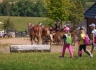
90	16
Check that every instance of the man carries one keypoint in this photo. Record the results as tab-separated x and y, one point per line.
93	36
57	25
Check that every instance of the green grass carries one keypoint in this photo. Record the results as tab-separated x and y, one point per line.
45	61
89	4
21	23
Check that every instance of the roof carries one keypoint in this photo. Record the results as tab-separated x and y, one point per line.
91	12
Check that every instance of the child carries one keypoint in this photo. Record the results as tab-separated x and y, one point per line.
66	45
82	45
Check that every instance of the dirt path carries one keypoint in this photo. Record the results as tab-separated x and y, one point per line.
26	41
15	41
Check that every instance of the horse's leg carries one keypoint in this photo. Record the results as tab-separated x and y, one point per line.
47	39
37	42
43	40
31	40
51	38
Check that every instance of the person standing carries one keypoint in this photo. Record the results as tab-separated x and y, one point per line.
93	36
82	45
66	43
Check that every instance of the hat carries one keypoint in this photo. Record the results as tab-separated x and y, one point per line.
93	25
78	28
81	28
66	29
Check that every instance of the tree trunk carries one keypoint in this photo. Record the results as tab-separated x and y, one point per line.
61	24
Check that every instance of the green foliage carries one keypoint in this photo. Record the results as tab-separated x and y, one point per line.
8	25
14	10
76	12
84	2
89	4
35	8
22	8
92	0
45	61
48	22
58	9
39	9
65	10
5	8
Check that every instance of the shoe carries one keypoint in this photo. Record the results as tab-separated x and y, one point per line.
80	57
91	56
61	57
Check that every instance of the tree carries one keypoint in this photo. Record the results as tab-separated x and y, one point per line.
82	1
39	9
57	9
0	9
8	25
76	13
14	10
22	7
65	10
5	7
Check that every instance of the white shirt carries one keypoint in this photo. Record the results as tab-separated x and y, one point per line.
94	32
66	35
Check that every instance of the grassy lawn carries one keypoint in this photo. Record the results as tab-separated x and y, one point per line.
89	4
21	23
45	61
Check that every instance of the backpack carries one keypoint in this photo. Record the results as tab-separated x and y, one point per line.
68	40
86	40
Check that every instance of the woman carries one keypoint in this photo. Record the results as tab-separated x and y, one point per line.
82	45
93	36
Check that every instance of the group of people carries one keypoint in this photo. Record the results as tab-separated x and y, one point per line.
81	42
3	33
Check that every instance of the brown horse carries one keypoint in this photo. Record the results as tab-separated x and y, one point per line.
58	36
46	34
35	33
